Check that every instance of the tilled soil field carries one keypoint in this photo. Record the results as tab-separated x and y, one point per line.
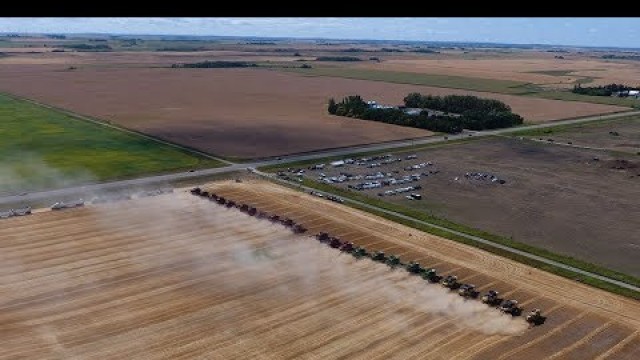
176	276
242	112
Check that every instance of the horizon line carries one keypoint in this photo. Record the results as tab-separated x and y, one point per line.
318	38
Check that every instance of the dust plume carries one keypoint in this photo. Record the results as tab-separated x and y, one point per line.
255	255
26	171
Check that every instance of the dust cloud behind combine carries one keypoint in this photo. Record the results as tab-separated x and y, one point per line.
300	265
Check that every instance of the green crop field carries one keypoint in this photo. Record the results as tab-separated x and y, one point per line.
41	148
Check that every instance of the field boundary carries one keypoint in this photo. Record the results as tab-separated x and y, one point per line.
108	124
557	267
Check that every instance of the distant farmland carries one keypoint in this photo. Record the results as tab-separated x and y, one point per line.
42	148
241	112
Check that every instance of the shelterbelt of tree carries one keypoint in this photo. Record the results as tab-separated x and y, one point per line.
457	112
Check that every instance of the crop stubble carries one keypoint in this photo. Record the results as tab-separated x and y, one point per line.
179	277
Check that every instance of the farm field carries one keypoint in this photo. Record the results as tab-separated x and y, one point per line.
535	68
617	135
240	112
461	82
118	280
554	197
42	148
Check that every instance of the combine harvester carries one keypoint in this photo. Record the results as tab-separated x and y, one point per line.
450	282
468	291
491	298
511	307
393	261
534	318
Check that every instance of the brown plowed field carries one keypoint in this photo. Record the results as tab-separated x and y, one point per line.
176	276
242	112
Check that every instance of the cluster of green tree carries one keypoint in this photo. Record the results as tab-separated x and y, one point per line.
338	58
426	51
88	47
391	50
475	117
353	50
606	90
355	107
216	64
621	57
455	103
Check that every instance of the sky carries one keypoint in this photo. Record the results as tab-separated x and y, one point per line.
614	32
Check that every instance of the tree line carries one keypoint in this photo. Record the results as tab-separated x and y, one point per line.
216	64
88	47
470	113
457	104
338	58
606	90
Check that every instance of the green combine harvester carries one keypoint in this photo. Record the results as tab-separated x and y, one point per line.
393	261
415	268
379	256
359	252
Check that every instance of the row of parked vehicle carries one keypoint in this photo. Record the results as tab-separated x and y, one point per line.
15	212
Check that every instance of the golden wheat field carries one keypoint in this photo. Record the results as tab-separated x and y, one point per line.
177	276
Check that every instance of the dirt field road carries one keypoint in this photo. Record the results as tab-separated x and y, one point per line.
175	276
